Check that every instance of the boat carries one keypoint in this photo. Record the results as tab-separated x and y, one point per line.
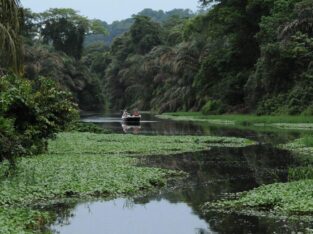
131	118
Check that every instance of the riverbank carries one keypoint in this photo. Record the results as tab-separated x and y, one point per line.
284	122
86	166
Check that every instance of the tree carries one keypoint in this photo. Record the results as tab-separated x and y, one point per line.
66	30
145	34
10	41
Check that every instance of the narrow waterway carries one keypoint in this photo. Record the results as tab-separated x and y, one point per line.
177	208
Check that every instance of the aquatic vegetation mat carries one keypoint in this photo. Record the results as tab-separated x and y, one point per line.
128	145
281	199
282	122
87	165
294	198
302	146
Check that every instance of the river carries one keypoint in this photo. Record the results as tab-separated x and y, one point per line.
177	208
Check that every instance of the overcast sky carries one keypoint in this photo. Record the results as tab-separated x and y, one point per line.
109	10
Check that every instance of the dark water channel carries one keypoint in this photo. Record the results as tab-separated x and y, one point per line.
177	208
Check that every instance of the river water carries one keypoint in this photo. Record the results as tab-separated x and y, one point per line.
177	208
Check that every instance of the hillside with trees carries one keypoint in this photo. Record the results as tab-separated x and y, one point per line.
119	27
241	56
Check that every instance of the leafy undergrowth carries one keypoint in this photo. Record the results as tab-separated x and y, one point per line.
281	199
285	122
22	221
87	165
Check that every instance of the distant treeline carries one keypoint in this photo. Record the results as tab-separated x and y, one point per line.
119	27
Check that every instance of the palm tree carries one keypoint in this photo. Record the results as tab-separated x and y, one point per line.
10	41
303	21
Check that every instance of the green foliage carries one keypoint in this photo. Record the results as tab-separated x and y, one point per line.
74	76
248	56
118	28
211	107
23	220
58	174
283	72
119	144
294	198
307	141
88	127
31	113
64	28
280	121
10	41
300	173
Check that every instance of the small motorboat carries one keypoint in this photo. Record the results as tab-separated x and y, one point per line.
131	118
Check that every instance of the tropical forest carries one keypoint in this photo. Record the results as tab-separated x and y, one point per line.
192	119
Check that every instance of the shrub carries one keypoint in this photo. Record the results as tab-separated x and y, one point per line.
211	107
30	113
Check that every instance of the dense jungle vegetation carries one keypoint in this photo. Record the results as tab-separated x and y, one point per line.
240	56
232	57
31	111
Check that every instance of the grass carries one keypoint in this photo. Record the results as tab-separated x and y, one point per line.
86	166
289	122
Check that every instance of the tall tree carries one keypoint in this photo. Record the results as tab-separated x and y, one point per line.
65	29
10	41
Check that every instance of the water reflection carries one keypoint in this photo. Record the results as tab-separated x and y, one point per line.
123	216
150	125
131	128
177	209
213	174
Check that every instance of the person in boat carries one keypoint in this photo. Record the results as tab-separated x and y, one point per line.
125	113
136	113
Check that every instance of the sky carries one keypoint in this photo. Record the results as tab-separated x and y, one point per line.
109	10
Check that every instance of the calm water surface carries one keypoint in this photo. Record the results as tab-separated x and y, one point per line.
177	209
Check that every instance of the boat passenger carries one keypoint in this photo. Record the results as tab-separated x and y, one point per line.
136	113
125	113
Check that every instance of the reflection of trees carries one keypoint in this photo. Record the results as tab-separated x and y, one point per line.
212	174
232	223
230	169
64	212
268	135
223	170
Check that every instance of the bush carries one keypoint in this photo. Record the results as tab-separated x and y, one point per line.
31	112
211	107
